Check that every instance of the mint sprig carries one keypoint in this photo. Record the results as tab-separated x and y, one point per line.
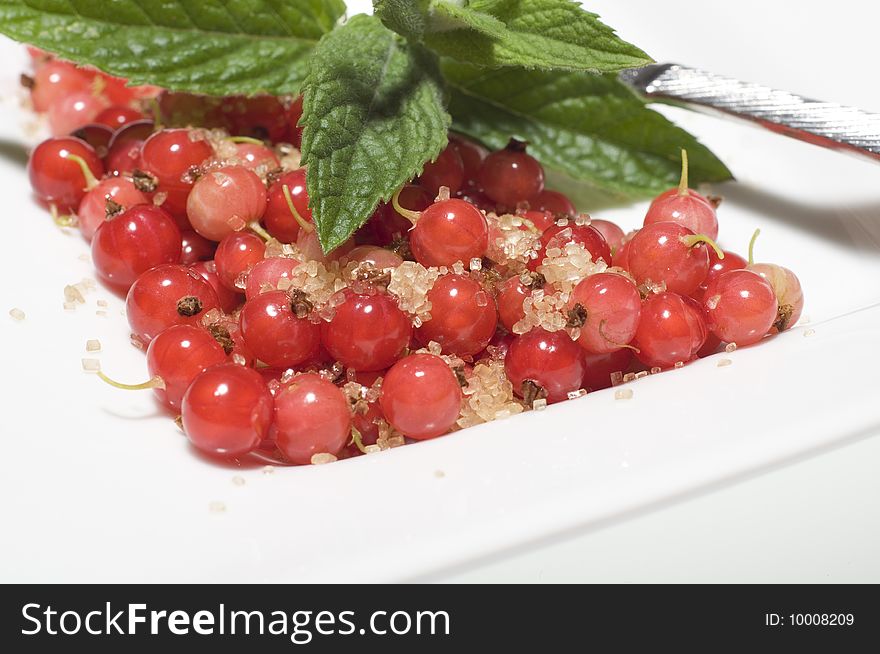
367	129
376	100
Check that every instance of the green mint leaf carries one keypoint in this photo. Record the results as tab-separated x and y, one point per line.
373	114
591	128
545	34
217	47
406	17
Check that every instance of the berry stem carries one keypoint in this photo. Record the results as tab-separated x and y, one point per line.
91	182
357	440
257	229
156	109
62	220
155	382
752	246
683	188
412	216
691	241
621	345
303	223
245	139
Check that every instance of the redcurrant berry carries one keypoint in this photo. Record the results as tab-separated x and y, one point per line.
684	206
463	316
116	116
282	221
235	256
229	300
449	231
671	330
421	398
96	204
787	289
62	169
669	253
511	176
447	170
172	156
606	308
542	364
224	201
740	307
311	417
600	368
554	202
267	273
177	355
277	329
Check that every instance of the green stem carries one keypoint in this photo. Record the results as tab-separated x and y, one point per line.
245	139
412	216
752	246
692	240
683	188
91	182
257	229
155	382
303	223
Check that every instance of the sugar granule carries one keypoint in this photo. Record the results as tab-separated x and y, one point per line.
217	507
724	362
238	481
91	365
809	332
322	457
16	314
730	347
623	394
93	345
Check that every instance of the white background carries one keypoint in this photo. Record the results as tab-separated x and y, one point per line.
98	485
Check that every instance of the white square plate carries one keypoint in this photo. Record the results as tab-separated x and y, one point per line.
99	485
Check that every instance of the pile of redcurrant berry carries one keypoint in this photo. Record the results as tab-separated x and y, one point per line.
475	293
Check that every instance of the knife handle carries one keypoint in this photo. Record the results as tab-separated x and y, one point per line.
821	123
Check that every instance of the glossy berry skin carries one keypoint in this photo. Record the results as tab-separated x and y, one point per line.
117	116
740	307
55	80
554	202
268	273
98	136
167	295
472	156
92	211
133	242
73	111
277	218
558	236
671	330
789	295
311	417
463	316
421	398
170	155
379	258
659	253
224	201
178	355
227	410
510	295
612	305
229	300
367	332
58	180
253	156
388	225
550	360
542	220
511	176
274	334
600	367
195	248
689	209
731	261
447	170
449	231
235	256
610	231
124	150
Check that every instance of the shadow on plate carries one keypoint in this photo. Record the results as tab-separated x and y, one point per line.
14	152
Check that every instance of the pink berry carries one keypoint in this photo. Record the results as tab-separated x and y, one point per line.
227	410
224	201
606	308
421	398
73	111
267	273
127	245
787	288
311	417
253	156
367	332
167	295
93	208
463	316
55	80
117	116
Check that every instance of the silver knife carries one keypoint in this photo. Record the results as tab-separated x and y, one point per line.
822	123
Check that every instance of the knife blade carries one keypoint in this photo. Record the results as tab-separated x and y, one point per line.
826	124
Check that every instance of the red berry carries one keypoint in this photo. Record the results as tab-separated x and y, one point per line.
229	300
254	155
279	220
131	243
668	253
447	170
449	231
388	225
608	306
92	211
671	330
195	248
472	155
267	273
683	206
56	174
621	255
167	295
740	307
555	202
117	116
178	355
124	150
378	257
421	398
277	329
311	417
227	410
600	367
55	80
510	295
98	136
294	113
560	235
367	332
511	176
551	363
261	117
73	111
542	220
224	201
731	261
612	234
235	256
463	316
172	156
